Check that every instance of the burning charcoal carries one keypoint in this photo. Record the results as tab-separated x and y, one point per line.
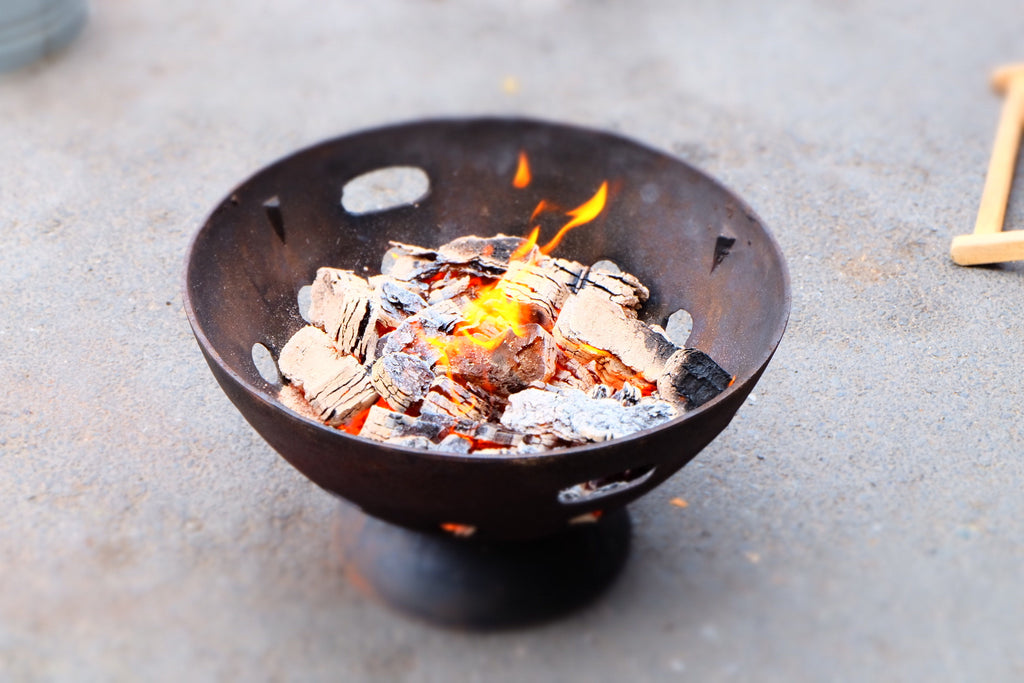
572	373
401	379
506	439
628	395
408	262
537	287
409	337
572	416
459	353
591	327
508	367
569	273
444	315
453	443
396	300
340	305
384	425
622	288
448	288
420	442
448	397
487	256
492	433
692	378
336	386
489	432
291	396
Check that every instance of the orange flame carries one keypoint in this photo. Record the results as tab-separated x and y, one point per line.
488	317
523	177
581	215
542	206
524	249
492	313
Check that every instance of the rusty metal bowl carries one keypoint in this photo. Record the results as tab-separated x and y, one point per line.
689	239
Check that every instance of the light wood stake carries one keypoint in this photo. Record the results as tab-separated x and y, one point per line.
988	243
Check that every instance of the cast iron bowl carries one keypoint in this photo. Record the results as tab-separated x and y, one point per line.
665	222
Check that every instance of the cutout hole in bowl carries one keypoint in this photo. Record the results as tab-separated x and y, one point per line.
586	491
266	365
384	189
678	327
305	300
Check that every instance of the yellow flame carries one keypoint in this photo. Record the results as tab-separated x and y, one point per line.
522	178
488	317
582	214
523	249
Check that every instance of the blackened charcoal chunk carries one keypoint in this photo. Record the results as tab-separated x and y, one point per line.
691	377
497	249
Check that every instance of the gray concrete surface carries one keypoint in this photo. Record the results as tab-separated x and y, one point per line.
859	520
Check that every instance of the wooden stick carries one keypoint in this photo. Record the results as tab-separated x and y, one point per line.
988	244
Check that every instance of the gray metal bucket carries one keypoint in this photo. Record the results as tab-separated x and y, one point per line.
32	29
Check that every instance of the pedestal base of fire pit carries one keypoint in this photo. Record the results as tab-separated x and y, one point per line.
483	584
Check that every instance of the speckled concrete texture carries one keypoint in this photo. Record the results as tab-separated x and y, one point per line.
859	520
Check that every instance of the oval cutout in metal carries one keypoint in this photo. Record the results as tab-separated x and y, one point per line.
678	327
587	491
305	300
384	189
266	365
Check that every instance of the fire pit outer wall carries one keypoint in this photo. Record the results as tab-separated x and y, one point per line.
665	222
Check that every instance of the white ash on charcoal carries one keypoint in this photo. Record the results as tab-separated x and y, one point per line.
292	397
447	397
408	262
575	417
414	334
410	337
501	437
483	257
593	327
437	431
396	300
628	395
336	385
340	304
401	379
453	443
449	287
622	288
485	345
384	425
569	273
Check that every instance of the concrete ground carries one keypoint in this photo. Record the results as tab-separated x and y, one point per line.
860	519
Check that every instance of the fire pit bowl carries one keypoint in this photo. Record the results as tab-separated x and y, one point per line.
692	242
